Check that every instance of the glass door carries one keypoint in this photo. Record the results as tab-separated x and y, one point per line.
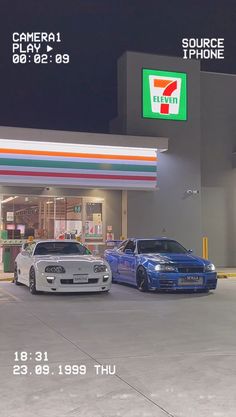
79	217
93	220
68	218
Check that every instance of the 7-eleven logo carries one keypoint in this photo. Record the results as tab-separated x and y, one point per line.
164	95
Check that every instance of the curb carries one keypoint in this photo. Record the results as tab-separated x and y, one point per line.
223	275
6	279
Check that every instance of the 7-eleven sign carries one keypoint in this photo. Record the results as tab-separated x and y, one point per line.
164	95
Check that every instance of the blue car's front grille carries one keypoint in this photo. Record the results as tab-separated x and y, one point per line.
166	283
190	269
169	283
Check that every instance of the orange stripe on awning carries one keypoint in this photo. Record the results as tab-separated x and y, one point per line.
161	83
77	155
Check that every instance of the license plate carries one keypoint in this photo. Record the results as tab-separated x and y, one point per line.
80	279
190	280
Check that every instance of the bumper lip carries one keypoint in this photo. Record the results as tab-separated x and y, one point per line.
43	285
68	289
155	279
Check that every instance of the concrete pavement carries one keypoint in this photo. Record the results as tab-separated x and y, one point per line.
174	353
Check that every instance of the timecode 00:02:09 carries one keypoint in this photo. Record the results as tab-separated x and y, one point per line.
41	59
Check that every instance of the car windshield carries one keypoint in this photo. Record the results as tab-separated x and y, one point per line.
61	248
160	246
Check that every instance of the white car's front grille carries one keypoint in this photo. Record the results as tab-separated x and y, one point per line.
69	281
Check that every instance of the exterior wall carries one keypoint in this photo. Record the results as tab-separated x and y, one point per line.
168	211
218	125
82	138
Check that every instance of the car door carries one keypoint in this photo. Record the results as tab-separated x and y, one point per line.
116	264
127	262
21	265
26	262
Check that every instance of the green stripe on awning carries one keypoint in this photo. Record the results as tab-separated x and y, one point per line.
76	165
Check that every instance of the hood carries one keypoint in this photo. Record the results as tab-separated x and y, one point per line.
183	258
69	258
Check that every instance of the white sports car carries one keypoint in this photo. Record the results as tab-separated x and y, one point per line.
61	266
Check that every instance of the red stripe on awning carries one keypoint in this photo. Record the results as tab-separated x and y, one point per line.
71	175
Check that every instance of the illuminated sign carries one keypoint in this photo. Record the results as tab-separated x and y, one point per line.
60	164
164	95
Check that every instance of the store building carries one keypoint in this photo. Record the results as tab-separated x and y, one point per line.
70	185
166	168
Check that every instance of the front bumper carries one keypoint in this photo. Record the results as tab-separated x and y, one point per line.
65	283
178	281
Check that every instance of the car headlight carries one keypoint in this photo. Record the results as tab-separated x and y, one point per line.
100	268
210	267
55	269
165	268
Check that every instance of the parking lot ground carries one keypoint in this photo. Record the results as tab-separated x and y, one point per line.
174	354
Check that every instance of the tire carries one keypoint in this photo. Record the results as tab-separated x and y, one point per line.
15	279
32	282
142	279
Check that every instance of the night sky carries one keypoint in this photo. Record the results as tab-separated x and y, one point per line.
81	96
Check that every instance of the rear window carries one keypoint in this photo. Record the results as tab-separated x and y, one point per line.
61	248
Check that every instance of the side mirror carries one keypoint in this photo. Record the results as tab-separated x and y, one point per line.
190	251
129	252
25	253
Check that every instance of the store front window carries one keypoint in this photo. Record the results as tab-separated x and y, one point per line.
52	218
35	217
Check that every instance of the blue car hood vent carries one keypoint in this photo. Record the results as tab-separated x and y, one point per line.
177	258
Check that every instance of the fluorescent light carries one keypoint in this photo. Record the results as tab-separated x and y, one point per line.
9	199
77	148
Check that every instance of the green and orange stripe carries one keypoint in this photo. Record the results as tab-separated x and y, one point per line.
97	166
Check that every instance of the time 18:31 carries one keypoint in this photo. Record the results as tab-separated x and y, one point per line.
26	356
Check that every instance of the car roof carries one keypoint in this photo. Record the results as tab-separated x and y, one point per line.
55	240
151	238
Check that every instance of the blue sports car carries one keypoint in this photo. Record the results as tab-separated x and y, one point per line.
160	264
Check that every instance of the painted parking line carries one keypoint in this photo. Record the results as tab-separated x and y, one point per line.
6	296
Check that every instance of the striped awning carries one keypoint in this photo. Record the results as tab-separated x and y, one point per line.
68	164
